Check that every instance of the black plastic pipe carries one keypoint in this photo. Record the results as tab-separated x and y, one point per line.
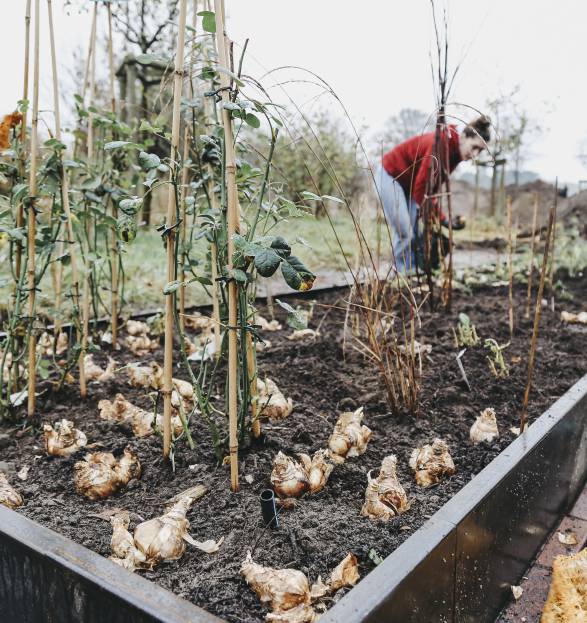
268	509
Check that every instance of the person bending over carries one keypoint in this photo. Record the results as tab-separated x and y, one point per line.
402	183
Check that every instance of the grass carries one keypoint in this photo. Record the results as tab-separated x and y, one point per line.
312	239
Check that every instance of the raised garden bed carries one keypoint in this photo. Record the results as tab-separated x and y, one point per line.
319	532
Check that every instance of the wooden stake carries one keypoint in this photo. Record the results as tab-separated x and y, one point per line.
25	96
114	240
510	266
183	226
64	186
90	155
232	218
32	224
170	225
537	314
252	373
532	252
215	299
552	257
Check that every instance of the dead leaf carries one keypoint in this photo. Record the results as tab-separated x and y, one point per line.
517	592
568	538
23	474
250	478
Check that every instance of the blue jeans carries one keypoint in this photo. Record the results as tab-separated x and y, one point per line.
401	216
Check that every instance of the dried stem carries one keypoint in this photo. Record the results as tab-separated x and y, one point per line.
537	314
32	229
25	96
532	253
170	230
510	267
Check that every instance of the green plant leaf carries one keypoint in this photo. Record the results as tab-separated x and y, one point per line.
147	59
118	144
296	319
252	120
149	161
267	262
296	275
208	21
281	247
131	205
306	194
332	198
172	286
239	275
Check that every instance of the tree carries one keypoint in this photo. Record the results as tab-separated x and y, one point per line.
407	123
318	155
514	129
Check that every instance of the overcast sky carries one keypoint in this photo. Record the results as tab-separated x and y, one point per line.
376	56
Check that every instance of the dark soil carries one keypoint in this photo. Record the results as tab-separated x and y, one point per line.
322	382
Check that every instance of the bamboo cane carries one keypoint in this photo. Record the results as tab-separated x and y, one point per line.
215	298
537	314
25	96
552	256
170	227
232	222
532	252
64	182
31	281
252	373
183	226
510	266
114	242
90	155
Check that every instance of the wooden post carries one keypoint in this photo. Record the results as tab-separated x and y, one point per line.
532	252
114	240
64	182
552	251
510	267
25	96
537	314
91	67
252	373
32	229
170	236
232	220
215	298
493	210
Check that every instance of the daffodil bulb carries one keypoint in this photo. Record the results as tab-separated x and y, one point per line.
318	469
8	495
485	427
64	439
288	477
272	402
350	437
385	497
432	463
94	372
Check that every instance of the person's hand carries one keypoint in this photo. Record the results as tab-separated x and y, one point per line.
458	222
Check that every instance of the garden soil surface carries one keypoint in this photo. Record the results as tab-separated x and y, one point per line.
323	381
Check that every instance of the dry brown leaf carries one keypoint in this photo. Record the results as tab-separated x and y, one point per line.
567	598
432	463
346	573
9	497
23	473
303	334
350	437
64	439
268	325
571	318
517	592
567	538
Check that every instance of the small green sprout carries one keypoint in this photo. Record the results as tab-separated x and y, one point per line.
466	332
497	363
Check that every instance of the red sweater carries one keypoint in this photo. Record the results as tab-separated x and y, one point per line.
410	161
